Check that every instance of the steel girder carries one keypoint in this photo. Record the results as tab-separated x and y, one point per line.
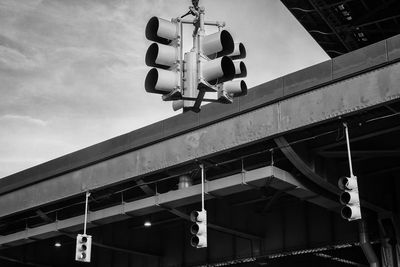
278	179
320	105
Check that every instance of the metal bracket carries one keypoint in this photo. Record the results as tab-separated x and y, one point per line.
175	94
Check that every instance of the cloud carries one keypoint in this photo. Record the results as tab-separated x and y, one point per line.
12	59
7	118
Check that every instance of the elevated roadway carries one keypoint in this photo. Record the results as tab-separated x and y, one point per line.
289	125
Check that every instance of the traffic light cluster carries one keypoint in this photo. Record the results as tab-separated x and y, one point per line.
199	229
210	66
350	198
83	248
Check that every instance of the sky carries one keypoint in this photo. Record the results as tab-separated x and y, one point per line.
72	71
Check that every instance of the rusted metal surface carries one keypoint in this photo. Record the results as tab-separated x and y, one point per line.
328	102
316	75
341	98
358	60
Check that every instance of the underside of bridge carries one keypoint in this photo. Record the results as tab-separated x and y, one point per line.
272	161
342	26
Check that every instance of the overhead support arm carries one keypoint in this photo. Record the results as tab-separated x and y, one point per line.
44	216
325	187
145	187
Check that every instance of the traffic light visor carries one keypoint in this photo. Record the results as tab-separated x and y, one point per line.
160	81
240	69
351	212
218	70
349	198
161	31
236	88
198	216
239	51
217	44
161	56
198	229
198	241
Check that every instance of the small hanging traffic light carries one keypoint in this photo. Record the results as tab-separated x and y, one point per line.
83	248
350	198
199	229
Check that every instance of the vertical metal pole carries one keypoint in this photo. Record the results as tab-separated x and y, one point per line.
200	36
348	148
181	54
86	211
202	186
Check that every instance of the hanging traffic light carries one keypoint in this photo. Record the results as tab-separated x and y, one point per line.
199	229
350	198
164	56
83	248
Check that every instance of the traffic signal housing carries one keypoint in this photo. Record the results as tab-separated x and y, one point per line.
83	248
199	229
235	88
163	55
350	198
215	66
209	66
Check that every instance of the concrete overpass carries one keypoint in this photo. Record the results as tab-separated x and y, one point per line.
272	158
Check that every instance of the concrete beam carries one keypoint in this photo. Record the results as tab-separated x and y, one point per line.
345	97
